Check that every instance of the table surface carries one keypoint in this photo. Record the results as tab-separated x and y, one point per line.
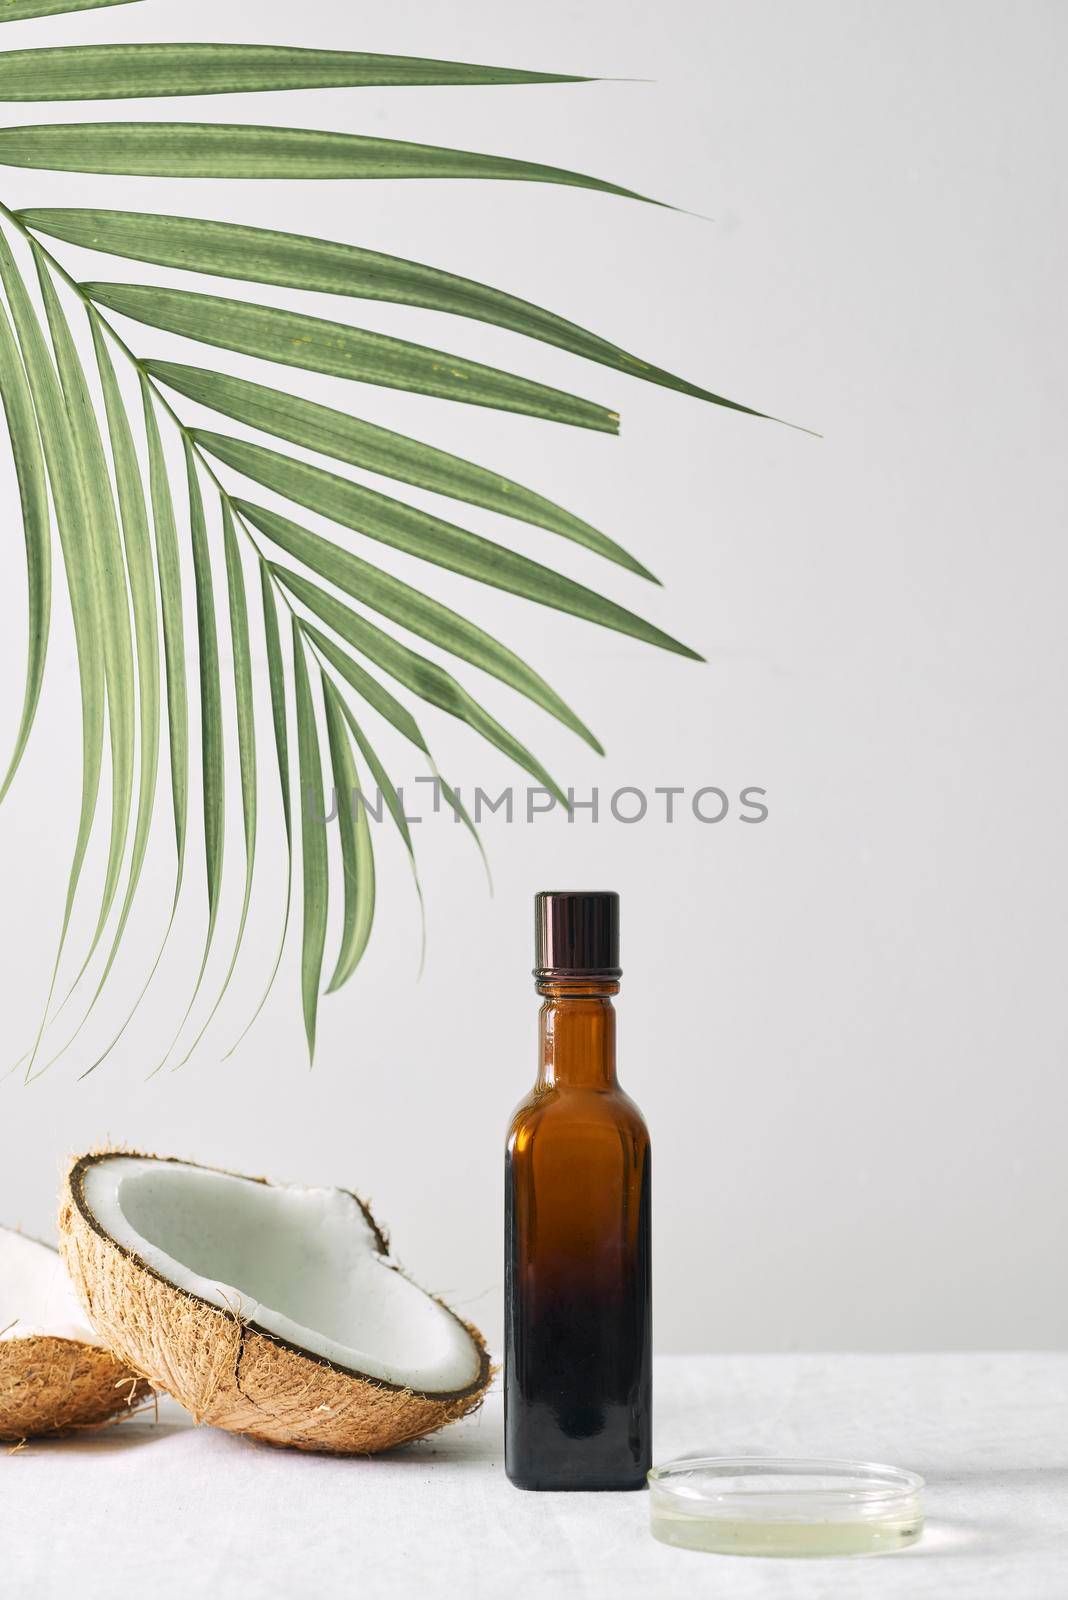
169	1510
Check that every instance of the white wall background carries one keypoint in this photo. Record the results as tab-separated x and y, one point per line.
847	1025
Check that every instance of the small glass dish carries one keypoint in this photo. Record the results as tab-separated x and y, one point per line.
763	1506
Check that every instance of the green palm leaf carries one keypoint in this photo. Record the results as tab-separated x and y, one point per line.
335	348
71	520
246	718
168	571
418	533
313	842
368	688
139	563
109	571
213	774
276	676
212	753
235	150
413	610
357	854
388	706
376	449
246	741
168	565
386	788
22	10
395	803
141	567
425	678
294	261
33	494
280	721
130	71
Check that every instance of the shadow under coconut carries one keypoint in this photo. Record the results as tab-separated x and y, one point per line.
485	1448
109	1439
417	1453
469	1441
462	1444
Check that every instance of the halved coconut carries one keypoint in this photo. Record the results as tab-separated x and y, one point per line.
54	1373
266	1309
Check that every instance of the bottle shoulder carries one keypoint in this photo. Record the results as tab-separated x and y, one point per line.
552	1107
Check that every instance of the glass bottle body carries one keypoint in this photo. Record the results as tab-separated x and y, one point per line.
577	1259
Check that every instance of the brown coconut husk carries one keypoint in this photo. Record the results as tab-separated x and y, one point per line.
227	1371
50	1385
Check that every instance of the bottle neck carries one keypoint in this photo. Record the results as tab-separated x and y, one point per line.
577	1033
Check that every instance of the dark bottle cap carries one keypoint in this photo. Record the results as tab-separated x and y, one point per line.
577	932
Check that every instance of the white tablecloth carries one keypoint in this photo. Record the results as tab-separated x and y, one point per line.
151	1512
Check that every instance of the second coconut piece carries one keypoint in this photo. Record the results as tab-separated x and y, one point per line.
265	1309
55	1375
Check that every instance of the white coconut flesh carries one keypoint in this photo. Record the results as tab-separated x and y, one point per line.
302	1265
36	1298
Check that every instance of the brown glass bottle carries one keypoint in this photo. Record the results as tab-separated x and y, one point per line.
578	1383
